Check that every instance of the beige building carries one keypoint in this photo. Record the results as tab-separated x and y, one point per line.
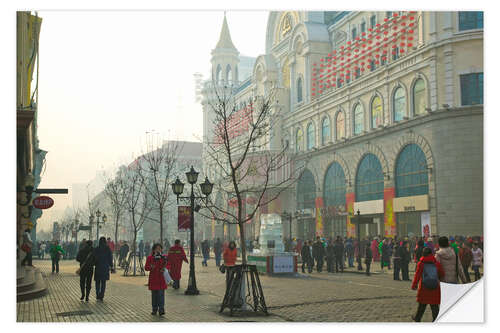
386	107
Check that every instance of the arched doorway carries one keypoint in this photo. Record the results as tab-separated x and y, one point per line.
306	196
334	190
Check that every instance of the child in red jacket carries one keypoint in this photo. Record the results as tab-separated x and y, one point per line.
155	264
425	295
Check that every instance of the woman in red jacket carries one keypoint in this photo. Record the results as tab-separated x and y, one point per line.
229	259
424	295
155	264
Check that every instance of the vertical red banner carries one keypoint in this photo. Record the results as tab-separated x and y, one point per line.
184	218
319	218
349	201
389	215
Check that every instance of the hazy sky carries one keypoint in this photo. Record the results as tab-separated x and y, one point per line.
107	77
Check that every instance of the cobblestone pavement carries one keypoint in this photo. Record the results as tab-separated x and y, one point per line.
318	297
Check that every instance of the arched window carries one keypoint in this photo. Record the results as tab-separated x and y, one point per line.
376	112
229	78
411	172
299	140
310	136
306	191
399	104
419	97
369	179
358	119
218	74
334	187
325	131
340	124
299	90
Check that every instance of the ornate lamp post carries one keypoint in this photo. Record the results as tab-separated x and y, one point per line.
206	189
103	220
290	216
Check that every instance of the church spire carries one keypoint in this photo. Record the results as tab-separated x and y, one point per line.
225	41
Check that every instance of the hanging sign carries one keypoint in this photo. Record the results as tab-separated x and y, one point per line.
43	202
184	218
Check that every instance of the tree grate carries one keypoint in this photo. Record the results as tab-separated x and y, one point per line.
74	313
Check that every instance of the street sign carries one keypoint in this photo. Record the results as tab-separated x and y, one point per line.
43	202
84	227
184	218
52	190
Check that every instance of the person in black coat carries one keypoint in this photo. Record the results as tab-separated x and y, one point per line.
404	254
339	255
306	257
330	256
368	259
86	259
318	254
103	264
217	251
396	259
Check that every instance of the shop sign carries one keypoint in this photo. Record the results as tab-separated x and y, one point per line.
369	207
411	204
43	202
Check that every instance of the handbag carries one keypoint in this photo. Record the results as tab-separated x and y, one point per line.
25	248
78	271
167	277
222	268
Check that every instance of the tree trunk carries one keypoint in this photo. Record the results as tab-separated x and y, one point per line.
243	244
161	224
133	249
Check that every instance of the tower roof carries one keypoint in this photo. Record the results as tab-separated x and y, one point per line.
225	41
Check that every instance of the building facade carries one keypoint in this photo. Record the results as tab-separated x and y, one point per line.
387	110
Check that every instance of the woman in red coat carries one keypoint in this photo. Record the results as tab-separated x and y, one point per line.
424	295
175	257
155	264
229	258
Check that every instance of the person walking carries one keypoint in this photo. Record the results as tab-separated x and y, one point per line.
318	254
477	259
349	249
175	257
429	291
141	249
368	258
339	255
43	247
27	247
229	259
306	257
330	256
374	247
123	253
103	264
404	254
396	259
384	250
156	264
217	251
56	252
205	250
465	256
452	266
87	261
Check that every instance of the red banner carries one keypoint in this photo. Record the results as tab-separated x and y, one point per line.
184	218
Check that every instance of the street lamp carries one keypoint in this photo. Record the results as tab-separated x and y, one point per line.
103	220
206	189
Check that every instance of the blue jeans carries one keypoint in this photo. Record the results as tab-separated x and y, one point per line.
100	287
217	260
158	300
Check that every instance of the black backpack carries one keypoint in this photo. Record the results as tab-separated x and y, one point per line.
430	278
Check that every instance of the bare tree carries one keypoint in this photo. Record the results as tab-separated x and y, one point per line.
254	167
156	167
137	202
115	191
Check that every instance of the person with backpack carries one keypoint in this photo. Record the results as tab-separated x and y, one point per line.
86	259
56	252
452	267
427	276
